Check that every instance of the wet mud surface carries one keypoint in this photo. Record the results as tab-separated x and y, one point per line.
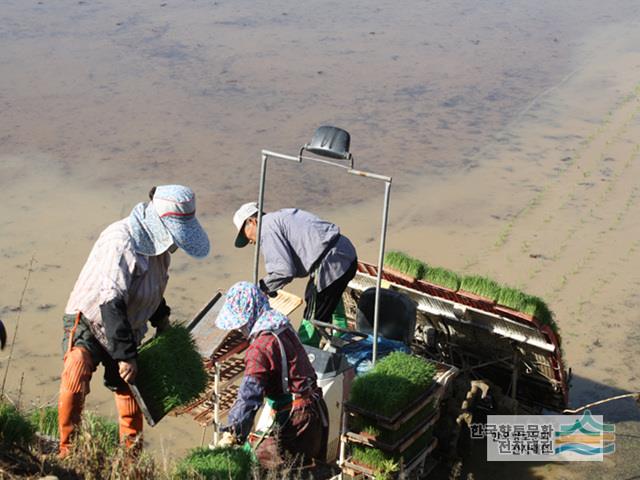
510	128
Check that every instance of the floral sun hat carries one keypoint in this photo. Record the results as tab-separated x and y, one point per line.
169	218
246	305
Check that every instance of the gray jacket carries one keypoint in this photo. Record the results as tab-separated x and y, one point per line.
295	243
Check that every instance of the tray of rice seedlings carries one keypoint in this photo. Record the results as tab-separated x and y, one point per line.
482	289
398	387
404	266
372	462
367	431
223	463
170	373
443	278
531	306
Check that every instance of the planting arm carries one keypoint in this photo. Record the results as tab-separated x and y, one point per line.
243	412
120	339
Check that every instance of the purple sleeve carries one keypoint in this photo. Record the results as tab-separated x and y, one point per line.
243	412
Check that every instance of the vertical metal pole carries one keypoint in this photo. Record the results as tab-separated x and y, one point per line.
216	405
343	439
383	237
256	258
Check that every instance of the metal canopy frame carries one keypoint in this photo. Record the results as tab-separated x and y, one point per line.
267	154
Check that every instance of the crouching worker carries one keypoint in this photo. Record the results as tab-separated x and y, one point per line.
121	287
276	368
297	244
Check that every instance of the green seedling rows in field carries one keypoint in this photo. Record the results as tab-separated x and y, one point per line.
225	463
171	373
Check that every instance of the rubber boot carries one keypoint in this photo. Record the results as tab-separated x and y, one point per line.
130	419
74	387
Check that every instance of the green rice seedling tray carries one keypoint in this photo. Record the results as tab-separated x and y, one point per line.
404	265
399	444
418	463
444	374
170	374
373	432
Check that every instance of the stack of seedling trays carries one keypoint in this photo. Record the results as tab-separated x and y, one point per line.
398	442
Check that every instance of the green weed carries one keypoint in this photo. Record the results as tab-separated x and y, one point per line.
227	463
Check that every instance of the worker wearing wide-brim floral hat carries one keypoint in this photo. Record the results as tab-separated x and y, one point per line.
277	369
120	288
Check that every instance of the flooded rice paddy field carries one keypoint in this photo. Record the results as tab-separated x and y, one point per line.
510	128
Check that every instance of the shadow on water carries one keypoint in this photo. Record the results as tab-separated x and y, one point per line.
585	391
624	413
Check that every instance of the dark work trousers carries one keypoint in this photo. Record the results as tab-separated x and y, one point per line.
325	302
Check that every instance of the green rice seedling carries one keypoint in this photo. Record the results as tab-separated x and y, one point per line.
394	382
387	464
371	427
45	421
529	304
417	370
404	263
15	428
225	463
383	463
481	286
443	277
171	373
513	298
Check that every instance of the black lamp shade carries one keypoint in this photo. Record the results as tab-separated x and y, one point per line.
330	142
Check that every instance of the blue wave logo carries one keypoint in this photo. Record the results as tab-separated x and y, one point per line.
586	436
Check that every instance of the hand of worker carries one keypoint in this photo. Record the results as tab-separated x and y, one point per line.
128	369
228	440
265	289
162	325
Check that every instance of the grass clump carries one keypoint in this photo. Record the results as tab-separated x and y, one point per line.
97	454
15	429
104	432
225	463
45	421
406	264
443	277
392	384
171	373
482	286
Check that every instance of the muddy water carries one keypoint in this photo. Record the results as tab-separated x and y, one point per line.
510	129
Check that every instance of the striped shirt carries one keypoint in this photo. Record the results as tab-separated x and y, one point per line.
114	270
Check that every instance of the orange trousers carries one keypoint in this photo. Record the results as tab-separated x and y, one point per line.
74	387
